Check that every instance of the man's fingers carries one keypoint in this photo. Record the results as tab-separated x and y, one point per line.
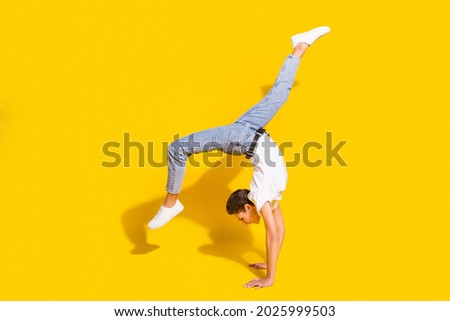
251	283
257	265
255	283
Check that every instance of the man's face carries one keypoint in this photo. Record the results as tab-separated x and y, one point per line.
248	215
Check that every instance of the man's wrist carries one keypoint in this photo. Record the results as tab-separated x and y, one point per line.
270	277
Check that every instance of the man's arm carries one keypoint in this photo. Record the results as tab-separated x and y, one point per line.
281	231
274	239
280	223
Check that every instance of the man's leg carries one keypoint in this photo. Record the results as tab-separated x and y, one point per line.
260	114
178	153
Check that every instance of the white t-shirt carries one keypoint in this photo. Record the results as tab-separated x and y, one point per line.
269	175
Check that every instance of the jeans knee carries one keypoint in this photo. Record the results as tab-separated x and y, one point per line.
176	152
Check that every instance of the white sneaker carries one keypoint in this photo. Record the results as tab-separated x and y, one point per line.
165	214
309	36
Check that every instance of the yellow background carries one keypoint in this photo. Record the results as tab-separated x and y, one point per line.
75	75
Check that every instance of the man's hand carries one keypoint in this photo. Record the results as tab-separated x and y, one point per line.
259	283
261	265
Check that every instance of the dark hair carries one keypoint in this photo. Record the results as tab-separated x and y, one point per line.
237	201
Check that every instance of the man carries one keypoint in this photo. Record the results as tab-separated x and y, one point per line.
246	136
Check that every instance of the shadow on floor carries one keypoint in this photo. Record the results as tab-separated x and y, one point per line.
204	204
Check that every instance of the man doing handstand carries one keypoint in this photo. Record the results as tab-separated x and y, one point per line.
246	136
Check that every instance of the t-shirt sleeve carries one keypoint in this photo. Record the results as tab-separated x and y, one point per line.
259	199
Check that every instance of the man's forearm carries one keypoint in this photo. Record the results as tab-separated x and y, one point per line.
273	247
281	238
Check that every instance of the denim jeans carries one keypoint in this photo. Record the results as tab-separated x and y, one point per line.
234	138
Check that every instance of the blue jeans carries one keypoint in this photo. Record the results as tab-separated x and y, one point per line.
235	138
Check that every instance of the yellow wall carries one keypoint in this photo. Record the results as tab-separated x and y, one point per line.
75	75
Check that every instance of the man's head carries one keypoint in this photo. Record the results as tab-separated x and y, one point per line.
242	208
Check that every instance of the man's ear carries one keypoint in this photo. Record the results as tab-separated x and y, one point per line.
247	207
